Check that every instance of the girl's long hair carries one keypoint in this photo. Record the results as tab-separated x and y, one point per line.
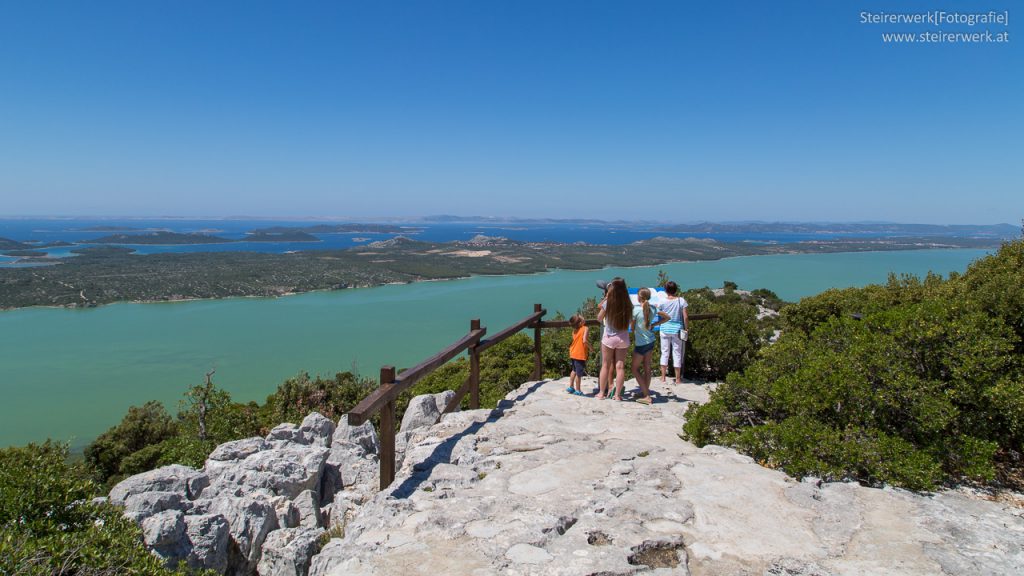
619	308
644	295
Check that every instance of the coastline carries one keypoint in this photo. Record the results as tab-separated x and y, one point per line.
463	277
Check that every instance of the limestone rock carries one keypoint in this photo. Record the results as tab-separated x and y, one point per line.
182	480
352	460
208	536
363	438
250	520
238	449
138	507
164	533
288	552
317	430
339	511
308	505
284	471
422	412
288	515
286	432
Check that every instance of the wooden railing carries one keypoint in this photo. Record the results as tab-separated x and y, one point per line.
385	397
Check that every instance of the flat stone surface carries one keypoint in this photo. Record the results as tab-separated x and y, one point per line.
551	483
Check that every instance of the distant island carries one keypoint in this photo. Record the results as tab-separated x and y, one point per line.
192	238
8	244
106	274
1004	231
104	229
160	239
338	229
283	236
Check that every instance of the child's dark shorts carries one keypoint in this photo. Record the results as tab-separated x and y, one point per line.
579	367
643	350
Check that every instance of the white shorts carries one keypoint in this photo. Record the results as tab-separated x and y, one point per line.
675	344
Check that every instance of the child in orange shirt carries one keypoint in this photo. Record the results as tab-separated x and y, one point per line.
579	350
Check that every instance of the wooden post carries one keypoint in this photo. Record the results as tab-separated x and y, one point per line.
538	367
387	432
474	370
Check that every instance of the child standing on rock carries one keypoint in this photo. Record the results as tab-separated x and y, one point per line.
645	317
579	351
615	312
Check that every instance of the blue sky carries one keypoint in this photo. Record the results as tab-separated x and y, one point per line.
678	111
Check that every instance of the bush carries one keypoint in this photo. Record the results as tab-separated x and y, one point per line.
141	427
924	386
296	397
726	344
51	527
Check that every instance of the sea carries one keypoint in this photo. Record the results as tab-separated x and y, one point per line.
69	374
81	231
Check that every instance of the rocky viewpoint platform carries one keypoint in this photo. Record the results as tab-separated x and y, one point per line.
548	483
551	483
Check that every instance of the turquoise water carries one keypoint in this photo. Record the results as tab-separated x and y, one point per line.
70	374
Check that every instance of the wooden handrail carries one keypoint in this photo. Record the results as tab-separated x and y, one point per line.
510	331
381	396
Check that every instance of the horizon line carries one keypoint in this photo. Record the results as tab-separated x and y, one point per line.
468	219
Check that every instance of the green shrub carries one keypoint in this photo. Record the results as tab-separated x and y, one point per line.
50	526
296	397
924	386
729	343
141	427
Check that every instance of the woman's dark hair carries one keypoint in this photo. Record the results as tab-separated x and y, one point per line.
619	309
671	288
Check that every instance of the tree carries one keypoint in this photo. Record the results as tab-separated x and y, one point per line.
663	279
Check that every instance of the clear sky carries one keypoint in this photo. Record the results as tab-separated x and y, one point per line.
679	110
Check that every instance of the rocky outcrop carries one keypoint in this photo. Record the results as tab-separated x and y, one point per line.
176	479
258	505
551	483
548	483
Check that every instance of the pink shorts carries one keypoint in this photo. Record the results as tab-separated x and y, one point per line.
618	341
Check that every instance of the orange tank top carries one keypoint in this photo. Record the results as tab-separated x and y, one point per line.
578	348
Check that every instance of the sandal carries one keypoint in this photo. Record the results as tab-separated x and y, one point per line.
645	400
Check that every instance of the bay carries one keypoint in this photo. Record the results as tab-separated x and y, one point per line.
70	374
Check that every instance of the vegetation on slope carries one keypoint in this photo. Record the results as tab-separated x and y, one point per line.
914	383
48	525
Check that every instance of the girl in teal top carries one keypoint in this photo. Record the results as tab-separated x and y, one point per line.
645	317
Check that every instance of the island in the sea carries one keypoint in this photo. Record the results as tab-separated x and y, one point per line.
161	238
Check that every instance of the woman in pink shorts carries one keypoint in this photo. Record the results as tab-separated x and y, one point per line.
615	312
